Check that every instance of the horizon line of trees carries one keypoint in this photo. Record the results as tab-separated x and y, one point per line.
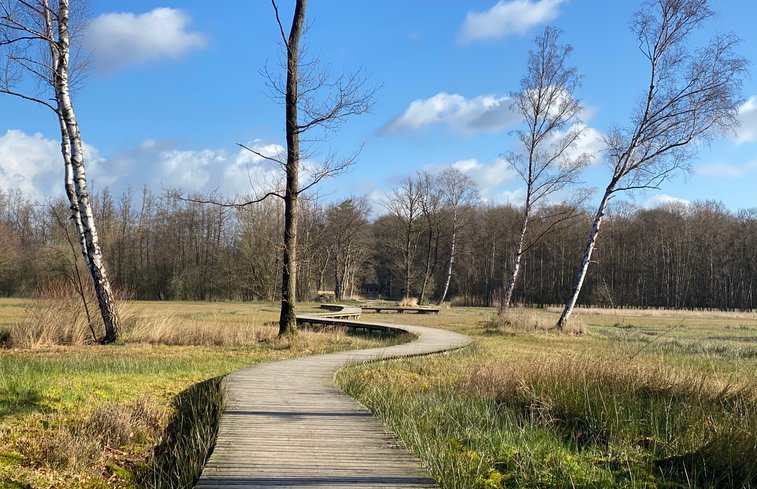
159	247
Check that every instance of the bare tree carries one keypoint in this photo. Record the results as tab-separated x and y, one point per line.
346	223
692	95
313	101
547	163
35	39
404	206
457	189
430	203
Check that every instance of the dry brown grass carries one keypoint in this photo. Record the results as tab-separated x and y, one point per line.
168	328
522	319
83	445
660	313
408	302
56	316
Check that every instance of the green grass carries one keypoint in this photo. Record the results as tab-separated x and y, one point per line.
634	403
94	416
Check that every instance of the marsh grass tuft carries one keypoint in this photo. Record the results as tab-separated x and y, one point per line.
408	302
523	319
583	421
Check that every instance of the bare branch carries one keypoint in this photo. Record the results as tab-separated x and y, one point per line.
281	27
236	205
29	98
265	157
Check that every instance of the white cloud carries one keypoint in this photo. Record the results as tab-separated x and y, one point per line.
206	170
504	18
748	118
31	164
726	170
662	200
489	177
118	40
189	170
480	114
590	143
515	197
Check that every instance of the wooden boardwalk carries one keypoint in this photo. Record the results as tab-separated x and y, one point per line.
285	424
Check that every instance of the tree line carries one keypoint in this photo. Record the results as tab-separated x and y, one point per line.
159	246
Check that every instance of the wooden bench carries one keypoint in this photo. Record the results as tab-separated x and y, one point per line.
400	310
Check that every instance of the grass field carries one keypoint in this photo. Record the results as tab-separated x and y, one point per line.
90	415
644	399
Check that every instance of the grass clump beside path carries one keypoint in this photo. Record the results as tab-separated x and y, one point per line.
613	408
125	415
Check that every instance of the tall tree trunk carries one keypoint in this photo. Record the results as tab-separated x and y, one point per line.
598	217
408	259
427	272
508	296
103	291
287	319
451	258
338	274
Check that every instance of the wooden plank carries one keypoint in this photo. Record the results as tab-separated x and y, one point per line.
400	309
286	425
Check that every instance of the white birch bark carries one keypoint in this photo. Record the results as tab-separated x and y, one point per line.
586	259
88	230
508	296
451	262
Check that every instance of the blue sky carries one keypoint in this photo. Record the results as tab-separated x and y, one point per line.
172	87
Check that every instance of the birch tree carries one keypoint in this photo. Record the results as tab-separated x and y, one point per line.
547	163
457	190
35	42
692	94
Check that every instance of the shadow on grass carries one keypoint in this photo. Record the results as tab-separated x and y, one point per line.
187	441
15	399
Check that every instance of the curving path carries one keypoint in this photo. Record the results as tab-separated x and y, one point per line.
286	425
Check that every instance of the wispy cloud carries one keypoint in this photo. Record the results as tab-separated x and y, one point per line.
661	200
118	40
485	113
748	118
507	17
726	170
490	177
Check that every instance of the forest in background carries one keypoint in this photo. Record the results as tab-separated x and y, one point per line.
161	246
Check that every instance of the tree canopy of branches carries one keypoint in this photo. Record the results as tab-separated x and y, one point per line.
691	95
